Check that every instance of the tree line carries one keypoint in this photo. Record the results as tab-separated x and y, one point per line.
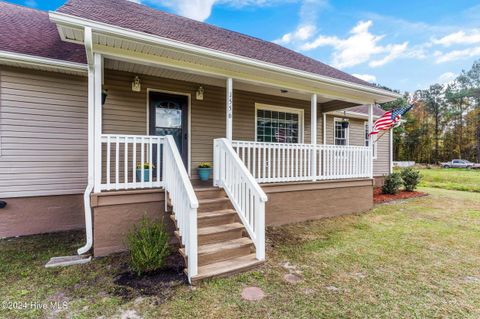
444	124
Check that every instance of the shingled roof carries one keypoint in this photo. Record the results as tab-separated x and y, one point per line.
29	31
137	17
377	110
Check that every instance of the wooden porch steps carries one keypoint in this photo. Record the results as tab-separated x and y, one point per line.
227	267
224	247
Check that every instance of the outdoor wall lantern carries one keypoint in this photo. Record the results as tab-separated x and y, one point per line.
200	92
104	96
136	86
345	122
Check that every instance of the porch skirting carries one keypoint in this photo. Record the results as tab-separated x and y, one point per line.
298	202
41	214
115	213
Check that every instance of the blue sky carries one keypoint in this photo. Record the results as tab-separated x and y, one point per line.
404	45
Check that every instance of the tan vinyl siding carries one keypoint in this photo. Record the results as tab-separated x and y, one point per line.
43	133
356	136
125	112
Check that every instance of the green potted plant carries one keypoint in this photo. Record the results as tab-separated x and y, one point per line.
204	171
146	171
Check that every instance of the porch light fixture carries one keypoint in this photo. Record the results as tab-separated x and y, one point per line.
136	86
104	96
345	122
200	92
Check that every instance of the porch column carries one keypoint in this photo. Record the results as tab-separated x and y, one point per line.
324	128
370	139
313	135
98	74
229	133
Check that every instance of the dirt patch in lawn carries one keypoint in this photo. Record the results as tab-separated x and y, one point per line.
160	283
378	197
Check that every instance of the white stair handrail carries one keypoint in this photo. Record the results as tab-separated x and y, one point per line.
244	192
184	202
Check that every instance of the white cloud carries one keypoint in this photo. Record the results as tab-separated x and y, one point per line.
447	77
396	50
306	29
460	37
359	47
442	57
302	33
366	77
201	9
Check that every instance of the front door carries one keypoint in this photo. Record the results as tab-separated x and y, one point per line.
169	116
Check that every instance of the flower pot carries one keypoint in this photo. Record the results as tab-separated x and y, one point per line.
204	173
345	124
146	175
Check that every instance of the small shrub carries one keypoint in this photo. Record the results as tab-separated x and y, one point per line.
392	184
148	246
411	178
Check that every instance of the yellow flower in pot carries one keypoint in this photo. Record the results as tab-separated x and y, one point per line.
145	167
204	171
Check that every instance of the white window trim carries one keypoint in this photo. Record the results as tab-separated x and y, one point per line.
268	107
375	144
347	130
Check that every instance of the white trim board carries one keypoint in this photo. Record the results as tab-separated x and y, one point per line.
374	141
300	112
31	61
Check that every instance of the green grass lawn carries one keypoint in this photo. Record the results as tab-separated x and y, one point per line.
452	178
412	259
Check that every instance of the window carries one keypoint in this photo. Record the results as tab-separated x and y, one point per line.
367	141
279	124
340	132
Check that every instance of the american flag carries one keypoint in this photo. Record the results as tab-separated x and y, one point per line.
389	119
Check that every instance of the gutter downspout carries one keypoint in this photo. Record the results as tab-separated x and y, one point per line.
91	147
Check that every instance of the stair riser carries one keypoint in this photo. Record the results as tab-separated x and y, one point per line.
219	237
224	255
209	207
217	193
217	221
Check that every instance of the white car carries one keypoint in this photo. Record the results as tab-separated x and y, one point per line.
459	163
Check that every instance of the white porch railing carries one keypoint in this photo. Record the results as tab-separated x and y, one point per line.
246	195
184	201
282	162
120	156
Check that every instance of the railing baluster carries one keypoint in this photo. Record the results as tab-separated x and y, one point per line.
117	144
125	165
109	186
134	162
142	163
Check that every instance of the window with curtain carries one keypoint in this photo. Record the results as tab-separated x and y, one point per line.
341	133
279	125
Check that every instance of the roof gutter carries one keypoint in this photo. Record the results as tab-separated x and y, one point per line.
36	61
80	23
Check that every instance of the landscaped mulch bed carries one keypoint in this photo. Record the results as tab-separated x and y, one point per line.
379	198
158	283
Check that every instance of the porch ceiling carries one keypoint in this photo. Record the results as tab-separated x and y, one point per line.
128	46
164	72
